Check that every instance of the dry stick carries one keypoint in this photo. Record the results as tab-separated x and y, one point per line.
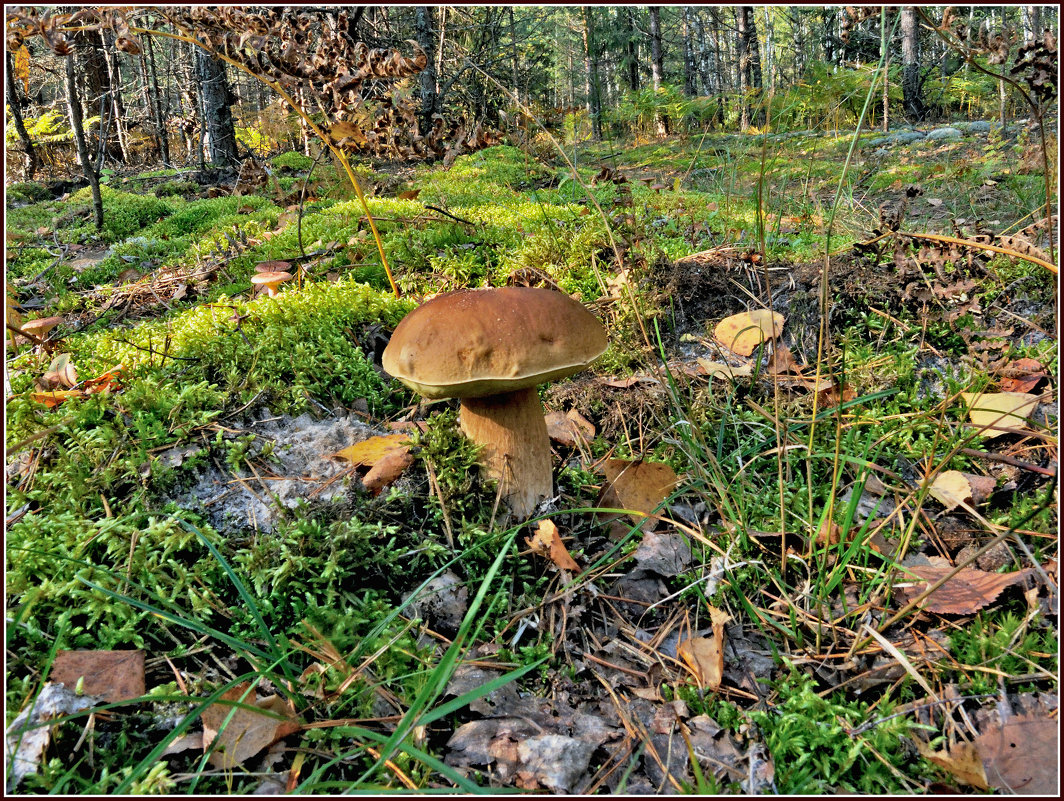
951	240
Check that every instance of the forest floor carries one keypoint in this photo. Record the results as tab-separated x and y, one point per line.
223	518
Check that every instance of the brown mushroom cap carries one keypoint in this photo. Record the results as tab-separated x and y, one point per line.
270	279
272	266
480	342
41	326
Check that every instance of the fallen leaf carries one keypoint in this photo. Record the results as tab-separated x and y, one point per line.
547	543
112	675
934	201
1022	755
782	361
704	656
952	488
387	469
631	381
370	451
834	394
999	413
721	370
61	373
966	592
960	759
743	332
409	194
1022	375
569	429
54	398
639	486
26	740
248	731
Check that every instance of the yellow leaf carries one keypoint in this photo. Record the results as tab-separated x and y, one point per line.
370	451
22	67
999	413
951	489
743	332
638	486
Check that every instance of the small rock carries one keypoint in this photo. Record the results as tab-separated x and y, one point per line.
905	137
943	133
979	126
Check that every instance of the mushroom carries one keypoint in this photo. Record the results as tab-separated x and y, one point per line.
490	348
272	281
272	266
40	327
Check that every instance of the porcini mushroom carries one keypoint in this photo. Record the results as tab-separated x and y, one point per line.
490	348
272	281
40	327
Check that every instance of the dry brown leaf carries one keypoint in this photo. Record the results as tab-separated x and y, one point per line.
387	469
1022	375
113	675
1022	755
704	656
1004	412
570	428
721	370
743	332
409	194
54	398
967	592
631	381
961	760
248	731
782	361
638	486
546	542
370	451
952	488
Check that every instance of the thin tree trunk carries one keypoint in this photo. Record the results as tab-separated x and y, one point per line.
742	44
161	129
513	56
427	83
688	55
910	56
115	70
14	102
77	126
657	67
594	98
631	49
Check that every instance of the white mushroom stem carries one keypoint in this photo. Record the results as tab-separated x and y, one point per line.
513	433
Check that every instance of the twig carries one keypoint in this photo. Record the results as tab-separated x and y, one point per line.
448	214
1000	457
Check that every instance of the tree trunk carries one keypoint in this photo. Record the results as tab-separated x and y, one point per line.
98	97
656	67
594	95
910	58
689	89
631	49
753	50
119	107
217	116
1032	22
157	104
769	31
77	126
514	63
742	50
14	102
427	78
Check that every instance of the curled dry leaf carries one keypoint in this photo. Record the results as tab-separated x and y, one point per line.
998	413
237	739
387	469
743	332
966	592
638	486
721	370
960	759
1022	375
547	543
704	656
570	428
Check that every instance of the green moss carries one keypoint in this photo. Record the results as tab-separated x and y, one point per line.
296	162
124	213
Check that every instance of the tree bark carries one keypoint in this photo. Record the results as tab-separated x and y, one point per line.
217	116
77	126
157	104
742	51
14	102
910	57
427	78
591	62
689	89
631	49
657	67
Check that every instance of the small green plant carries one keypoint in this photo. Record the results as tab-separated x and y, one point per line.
815	752
291	160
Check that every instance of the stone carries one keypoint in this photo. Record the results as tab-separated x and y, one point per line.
943	134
